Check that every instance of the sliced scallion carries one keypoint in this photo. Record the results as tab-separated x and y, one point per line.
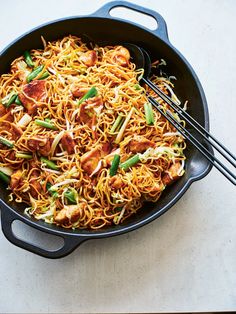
10	101
149	113
17	101
25	120
124	125
114	165
117	123
44	75
4	177
53	193
5	142
118	209
24	155
71	195
45	124
137	87
34	73
6	170
91	93
50	164
28	59
130	162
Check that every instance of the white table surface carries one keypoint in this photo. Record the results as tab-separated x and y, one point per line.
185	260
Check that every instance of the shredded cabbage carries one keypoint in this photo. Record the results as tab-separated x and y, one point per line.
158	152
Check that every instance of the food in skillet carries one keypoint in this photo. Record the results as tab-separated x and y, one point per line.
79	142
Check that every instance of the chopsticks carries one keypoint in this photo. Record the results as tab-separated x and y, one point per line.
209	138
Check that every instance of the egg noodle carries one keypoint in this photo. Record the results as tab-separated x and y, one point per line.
79	143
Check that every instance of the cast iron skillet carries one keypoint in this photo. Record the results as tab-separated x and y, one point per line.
101	26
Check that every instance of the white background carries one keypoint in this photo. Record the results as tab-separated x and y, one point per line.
185	260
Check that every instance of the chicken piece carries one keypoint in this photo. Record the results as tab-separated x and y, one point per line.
68	143
36	142
173	174
120	60
78	91
106	149
85	116
34	92
6	113
61	217
45	150
116	182
87	110
15	131
89	58
123	52
16	180
40	144
3	110
89	160
70	213
14	162
73	212
11	155
35	186
139	144
121	56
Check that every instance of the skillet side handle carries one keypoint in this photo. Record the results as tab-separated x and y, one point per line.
160	31
70	243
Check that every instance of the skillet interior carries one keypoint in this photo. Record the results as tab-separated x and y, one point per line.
187	87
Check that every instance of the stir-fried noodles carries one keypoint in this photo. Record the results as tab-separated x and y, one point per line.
79	142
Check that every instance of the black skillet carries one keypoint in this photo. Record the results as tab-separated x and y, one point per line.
102	27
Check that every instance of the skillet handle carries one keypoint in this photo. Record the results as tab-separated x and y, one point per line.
160	31
70	243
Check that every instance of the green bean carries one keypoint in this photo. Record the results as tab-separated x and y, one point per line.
34	73
45	124
91	93
28	59
114	165
50	164
130	162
